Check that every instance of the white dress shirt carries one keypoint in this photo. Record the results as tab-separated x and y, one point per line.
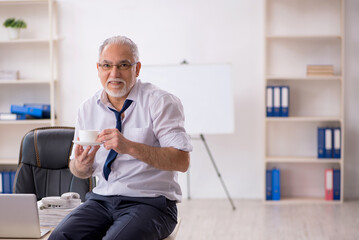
155	118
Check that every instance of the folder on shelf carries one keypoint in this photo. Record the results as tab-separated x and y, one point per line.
276	101
328	143
325	143
276	184
336	142
44	107
284	101
269	103
328	184
6	182
269	185
336	184
1	184
321	142
33	111
12	179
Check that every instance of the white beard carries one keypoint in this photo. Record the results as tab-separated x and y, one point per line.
118	93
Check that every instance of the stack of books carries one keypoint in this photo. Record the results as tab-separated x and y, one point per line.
9	75
320	70
7	181
273	184
332	184
277	101
329	142
27	111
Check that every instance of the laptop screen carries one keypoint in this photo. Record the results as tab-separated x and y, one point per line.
19	216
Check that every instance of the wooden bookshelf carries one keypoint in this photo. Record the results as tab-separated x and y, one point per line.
35	56
295	37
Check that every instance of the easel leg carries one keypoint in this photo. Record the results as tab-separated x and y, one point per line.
216	168
188	184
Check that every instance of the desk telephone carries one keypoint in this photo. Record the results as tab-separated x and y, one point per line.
67	200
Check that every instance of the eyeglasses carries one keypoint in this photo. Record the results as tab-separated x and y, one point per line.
121	67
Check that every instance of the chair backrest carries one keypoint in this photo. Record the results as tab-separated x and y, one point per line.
43	164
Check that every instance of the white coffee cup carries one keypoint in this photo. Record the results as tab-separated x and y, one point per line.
88	135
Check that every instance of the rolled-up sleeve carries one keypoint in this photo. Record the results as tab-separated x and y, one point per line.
168	123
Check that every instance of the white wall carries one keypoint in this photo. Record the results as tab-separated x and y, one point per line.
202	31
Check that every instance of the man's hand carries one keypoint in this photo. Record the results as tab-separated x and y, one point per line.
113	139
81	166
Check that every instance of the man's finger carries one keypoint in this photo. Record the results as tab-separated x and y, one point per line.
87	150
107	131
77	150
94	150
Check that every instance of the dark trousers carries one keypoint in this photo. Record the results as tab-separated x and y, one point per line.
119	217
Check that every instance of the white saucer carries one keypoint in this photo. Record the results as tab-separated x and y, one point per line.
87	143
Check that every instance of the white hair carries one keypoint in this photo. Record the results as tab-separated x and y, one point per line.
121	40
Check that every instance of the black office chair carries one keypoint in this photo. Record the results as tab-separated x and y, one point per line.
43	164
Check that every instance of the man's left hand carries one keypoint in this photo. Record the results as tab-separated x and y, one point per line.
113	139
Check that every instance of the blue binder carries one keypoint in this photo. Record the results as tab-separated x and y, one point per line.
6	182
12	179
276	101
328	143
276	184
35	112
269	102
44	107
1	185
321	142
284	91
336	142
269	185
336	184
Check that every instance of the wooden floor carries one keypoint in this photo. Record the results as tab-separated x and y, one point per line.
253	219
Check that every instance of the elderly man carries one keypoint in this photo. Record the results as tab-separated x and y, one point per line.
144	145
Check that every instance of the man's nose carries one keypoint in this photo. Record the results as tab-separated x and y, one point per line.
115	72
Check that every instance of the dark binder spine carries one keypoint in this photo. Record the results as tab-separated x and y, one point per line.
321	142
336	184
269	185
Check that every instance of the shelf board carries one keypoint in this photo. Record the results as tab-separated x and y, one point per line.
29	40
305	78
8	161
30	122
26	81
294	37
300	200
304	119
11	2
292	159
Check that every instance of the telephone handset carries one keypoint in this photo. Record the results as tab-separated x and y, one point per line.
67	200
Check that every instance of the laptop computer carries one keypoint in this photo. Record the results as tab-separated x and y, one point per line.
19	216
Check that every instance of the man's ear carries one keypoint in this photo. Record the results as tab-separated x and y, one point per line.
98	69
138	69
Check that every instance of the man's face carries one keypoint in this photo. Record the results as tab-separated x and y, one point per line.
117	81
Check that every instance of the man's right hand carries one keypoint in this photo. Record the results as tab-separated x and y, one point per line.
81	165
